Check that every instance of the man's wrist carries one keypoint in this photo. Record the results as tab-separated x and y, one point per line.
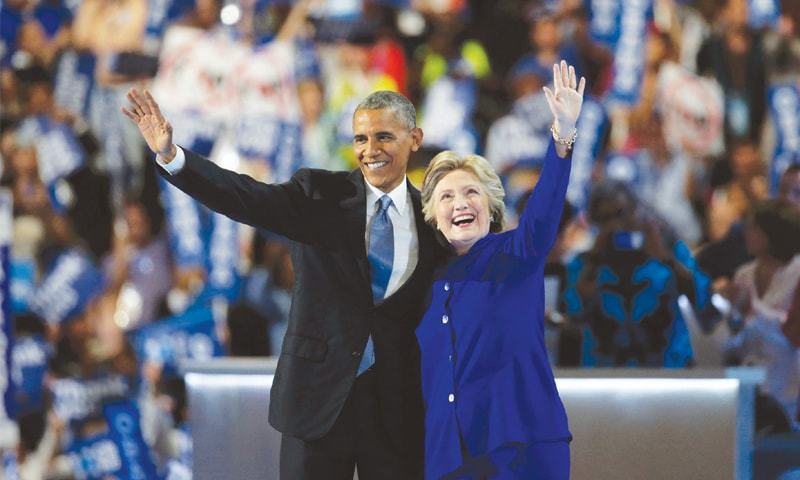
169	156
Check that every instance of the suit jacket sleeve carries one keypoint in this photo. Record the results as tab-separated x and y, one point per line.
275	207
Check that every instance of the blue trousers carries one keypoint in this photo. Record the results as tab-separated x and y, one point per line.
517	461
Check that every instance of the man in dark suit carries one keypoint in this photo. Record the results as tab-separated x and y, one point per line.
346	392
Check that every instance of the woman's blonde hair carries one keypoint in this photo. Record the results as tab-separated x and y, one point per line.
448	161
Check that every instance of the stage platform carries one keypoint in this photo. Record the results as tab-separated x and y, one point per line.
626	423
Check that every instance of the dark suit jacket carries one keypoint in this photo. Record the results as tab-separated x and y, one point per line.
332	314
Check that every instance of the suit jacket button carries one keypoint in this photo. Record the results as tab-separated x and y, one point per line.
356	354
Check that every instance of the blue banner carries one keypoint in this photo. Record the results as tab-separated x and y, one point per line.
118	136
75	399
74	82
289	156
70	283
522	136
23	283
307	63
120	453
223	256
604	24
592	126
29	364
629	51
6	332
58	151
161	13
257	136
195	131
96	458
784	106
448	109
124	429
185	216
272	140
763	13
185	227
167	342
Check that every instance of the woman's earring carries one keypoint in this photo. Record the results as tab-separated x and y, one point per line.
491	218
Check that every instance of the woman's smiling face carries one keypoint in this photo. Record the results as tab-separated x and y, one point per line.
461	209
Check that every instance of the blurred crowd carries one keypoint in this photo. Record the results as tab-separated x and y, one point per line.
679	247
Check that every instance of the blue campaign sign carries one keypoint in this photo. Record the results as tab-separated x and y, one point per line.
120	453
784	107
6	332
592	124
70	283
629	51
307	63
23	283
160	13
74	82
195	131
96	458
275	141
167	342
58	152
124	429
257	136
29	358
448	110
223	256
604	20
763	13
289	155
185	226
75	398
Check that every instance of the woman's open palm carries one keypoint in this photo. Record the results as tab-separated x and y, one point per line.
566	98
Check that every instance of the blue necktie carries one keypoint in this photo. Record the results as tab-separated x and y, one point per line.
381	258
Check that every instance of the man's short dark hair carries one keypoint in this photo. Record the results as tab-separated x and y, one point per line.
397	103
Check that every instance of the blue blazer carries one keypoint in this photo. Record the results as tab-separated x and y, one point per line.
485	372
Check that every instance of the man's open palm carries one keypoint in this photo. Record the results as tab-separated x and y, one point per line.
155	129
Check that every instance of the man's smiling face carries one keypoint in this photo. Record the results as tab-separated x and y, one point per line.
382	145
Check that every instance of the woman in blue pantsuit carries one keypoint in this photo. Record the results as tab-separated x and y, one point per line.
492	408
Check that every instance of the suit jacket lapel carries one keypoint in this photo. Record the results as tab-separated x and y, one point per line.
355	215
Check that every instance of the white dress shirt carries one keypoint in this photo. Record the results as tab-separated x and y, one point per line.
176	164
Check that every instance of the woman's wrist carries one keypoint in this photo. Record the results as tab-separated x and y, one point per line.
563	136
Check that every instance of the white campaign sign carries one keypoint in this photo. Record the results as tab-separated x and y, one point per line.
692	109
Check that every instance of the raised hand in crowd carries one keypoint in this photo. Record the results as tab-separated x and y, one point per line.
153	126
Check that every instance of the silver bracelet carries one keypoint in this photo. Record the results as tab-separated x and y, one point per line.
566	141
